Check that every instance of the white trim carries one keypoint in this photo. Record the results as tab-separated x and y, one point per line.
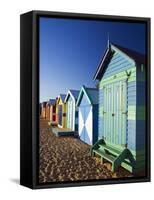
101	63
69	93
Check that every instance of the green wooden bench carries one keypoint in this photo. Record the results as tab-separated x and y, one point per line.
111	154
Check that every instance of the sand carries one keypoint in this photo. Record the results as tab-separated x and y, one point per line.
68	159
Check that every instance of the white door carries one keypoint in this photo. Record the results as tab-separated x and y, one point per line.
115	112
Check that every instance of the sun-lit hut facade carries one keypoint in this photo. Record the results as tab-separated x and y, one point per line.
88	114
61	111
52	111
72	110
48	110
121	77
43	109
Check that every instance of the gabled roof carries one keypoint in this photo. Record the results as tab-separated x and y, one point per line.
51	102
132	55
90	93
136	56
73	93
62	97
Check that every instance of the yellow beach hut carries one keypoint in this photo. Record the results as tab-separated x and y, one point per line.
61	111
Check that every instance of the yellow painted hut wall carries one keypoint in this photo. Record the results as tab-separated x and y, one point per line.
48	112
60	102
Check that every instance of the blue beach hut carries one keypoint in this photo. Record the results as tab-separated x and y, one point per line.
88	114
121	77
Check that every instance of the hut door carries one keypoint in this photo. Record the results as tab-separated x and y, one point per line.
115	113
70	115
60	115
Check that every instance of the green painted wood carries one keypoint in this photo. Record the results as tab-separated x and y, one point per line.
96	145
116	157
110	148
119	76
104	155
133	115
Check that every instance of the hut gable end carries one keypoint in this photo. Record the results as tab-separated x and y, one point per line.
117	59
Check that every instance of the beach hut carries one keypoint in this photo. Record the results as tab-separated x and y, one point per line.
72	110
43	109
48	110
61	111
121	77
88	114
52	110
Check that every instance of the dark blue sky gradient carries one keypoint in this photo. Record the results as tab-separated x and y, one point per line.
70	51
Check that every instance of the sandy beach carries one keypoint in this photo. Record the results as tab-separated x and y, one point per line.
68	159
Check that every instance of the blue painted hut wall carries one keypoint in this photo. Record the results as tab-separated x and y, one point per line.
117	64
95	123
84	111
131	127
140	117
76	119
84	101
136	98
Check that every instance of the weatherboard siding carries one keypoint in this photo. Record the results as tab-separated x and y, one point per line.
117	70
117	64
140	112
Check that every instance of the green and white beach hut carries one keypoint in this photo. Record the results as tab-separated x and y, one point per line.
121	78
72	110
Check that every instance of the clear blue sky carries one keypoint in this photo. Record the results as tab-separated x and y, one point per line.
70	51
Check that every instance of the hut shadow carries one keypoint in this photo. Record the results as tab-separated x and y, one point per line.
15	180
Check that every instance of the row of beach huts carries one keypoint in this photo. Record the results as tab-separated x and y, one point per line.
110	117
75	112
